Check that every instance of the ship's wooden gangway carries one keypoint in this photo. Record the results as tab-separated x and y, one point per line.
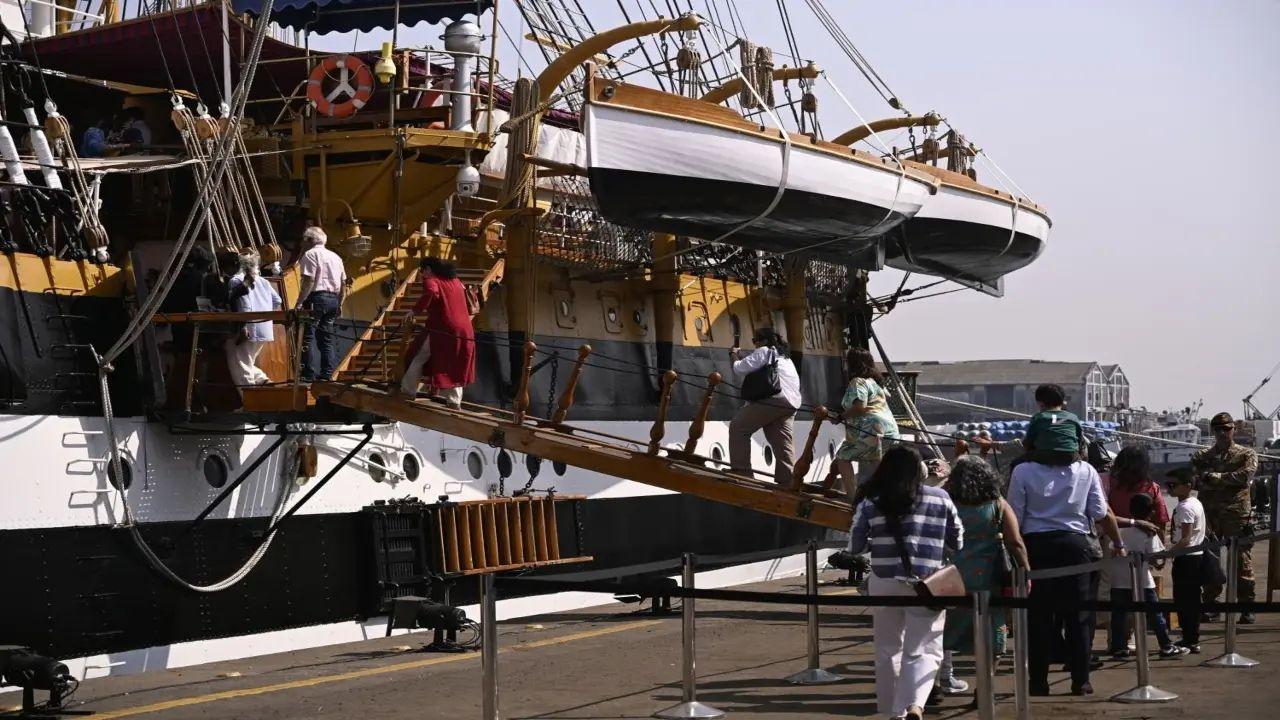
641	461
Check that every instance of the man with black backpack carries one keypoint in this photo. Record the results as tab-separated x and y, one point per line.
771	389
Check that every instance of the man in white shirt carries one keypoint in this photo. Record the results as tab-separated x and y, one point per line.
1189	528
772	413
250	293
324	287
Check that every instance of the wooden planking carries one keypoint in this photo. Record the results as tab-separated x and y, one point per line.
616	460
530	542
492	556
553	530
464	539
449	526
503	529
516	524
478	559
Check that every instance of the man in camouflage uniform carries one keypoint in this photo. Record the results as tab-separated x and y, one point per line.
1223	473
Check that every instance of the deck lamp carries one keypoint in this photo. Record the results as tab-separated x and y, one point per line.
385	69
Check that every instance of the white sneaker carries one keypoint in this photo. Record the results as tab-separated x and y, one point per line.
953	686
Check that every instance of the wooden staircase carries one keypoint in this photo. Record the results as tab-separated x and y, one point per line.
377	357
649	462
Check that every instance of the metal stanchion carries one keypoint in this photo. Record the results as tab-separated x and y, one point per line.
1145	692
813	674
1229	657
985	686
689	707
489	645
1021	646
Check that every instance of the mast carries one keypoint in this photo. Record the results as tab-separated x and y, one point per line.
226	55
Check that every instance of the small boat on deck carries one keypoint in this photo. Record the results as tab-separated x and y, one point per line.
677	165
968	231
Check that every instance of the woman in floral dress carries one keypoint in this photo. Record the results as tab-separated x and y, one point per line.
869	425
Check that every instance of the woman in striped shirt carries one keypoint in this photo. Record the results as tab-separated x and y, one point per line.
908	526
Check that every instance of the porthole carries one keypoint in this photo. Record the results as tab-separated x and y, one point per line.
377	465
215	469
611	315
698	324
565	309
559	468
475	464
126	474
638	318
717	453
505	464
768	456
411	466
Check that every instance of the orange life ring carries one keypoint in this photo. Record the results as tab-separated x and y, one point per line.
359	92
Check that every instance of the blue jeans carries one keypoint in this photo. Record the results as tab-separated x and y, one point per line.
1120	621
324	308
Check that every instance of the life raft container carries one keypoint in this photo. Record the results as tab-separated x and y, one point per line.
359	91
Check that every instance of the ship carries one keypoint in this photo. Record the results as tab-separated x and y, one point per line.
619	230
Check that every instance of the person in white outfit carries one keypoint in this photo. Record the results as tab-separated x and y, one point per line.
772	413
907	526
250	293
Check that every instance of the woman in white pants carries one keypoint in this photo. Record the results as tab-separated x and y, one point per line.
907	526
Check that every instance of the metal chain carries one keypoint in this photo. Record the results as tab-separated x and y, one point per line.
551	405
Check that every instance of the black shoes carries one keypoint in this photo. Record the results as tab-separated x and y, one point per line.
1246	618
1208	617
1082	689
1039	690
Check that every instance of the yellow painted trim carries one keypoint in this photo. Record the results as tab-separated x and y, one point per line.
357	674
31	273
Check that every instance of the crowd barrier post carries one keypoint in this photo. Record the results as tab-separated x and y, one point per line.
1021	646
1144	692
813	674
1229	657
689	707
982	651
489	645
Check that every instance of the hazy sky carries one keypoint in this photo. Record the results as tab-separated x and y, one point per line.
1145	129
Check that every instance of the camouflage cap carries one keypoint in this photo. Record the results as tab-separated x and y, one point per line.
1222	419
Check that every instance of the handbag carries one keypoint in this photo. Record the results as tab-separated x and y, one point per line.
943	582
1003	561
763	382
1211	572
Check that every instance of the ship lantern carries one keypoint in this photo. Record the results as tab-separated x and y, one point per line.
357	244
385	69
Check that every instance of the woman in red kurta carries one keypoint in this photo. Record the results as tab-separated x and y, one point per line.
443	354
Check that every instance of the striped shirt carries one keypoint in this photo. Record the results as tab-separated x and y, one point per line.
931	528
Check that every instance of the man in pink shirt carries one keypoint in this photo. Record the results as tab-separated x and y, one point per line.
324	287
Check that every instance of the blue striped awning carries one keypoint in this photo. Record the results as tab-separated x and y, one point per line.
324	16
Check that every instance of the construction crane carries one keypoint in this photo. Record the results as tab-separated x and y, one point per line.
1251	411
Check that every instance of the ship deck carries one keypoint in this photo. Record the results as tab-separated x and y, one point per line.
611	661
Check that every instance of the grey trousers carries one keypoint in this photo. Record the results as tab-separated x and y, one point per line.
775	420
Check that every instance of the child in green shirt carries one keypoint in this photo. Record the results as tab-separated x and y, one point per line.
1054	436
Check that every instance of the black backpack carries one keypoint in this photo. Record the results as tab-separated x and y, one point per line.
762	383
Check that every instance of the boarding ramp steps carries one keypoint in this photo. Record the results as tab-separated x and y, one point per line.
647	462
376	356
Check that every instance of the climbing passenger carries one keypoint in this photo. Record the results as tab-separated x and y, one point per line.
443	354
249	292
771	387
869	425
324	286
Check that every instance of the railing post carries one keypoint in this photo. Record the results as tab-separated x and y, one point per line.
806	456
489	645
1229	657
1144	692
982	651
700	420
566	397
689	707
1021	646
659	425
813	674
522	395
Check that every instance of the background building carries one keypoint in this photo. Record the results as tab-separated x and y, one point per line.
1094	391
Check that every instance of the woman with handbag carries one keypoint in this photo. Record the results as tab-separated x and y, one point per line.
870	428
908	526
771	389
992	546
